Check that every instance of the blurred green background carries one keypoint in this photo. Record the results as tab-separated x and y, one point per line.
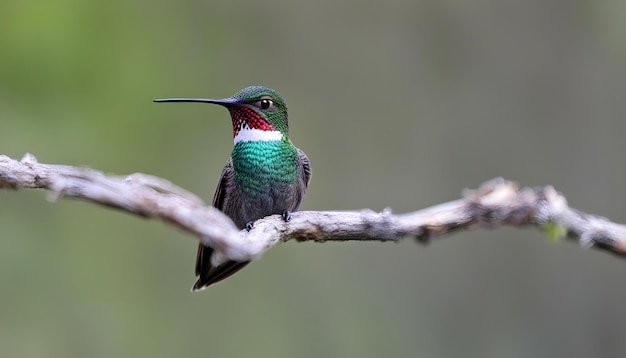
398	104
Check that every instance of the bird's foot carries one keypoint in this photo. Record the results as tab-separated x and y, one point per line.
286	215
249	225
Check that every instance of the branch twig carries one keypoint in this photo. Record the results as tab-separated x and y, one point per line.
496	203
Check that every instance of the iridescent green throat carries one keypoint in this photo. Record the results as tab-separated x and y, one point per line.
261	165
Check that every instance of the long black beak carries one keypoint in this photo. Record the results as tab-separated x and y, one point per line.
223	102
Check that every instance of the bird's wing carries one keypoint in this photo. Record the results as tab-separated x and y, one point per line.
206	272
304	177
306	173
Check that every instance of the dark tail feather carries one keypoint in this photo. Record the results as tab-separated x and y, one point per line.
209	274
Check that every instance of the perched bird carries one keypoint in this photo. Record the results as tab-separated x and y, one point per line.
265	174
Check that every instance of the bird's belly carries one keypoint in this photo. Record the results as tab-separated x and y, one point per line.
243	207
265	178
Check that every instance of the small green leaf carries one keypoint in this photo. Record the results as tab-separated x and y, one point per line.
554	232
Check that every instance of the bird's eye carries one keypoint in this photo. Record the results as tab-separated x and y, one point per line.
264	103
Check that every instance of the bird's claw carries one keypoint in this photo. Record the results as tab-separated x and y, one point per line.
249	225
286	215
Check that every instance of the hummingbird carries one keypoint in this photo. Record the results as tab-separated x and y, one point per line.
265	174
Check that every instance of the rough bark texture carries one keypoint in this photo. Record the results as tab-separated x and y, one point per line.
495	203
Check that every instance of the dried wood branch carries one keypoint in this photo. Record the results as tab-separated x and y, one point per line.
496	203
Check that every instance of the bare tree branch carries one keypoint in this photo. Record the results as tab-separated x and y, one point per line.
496	203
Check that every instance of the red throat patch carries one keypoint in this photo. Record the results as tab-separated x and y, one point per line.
244	117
